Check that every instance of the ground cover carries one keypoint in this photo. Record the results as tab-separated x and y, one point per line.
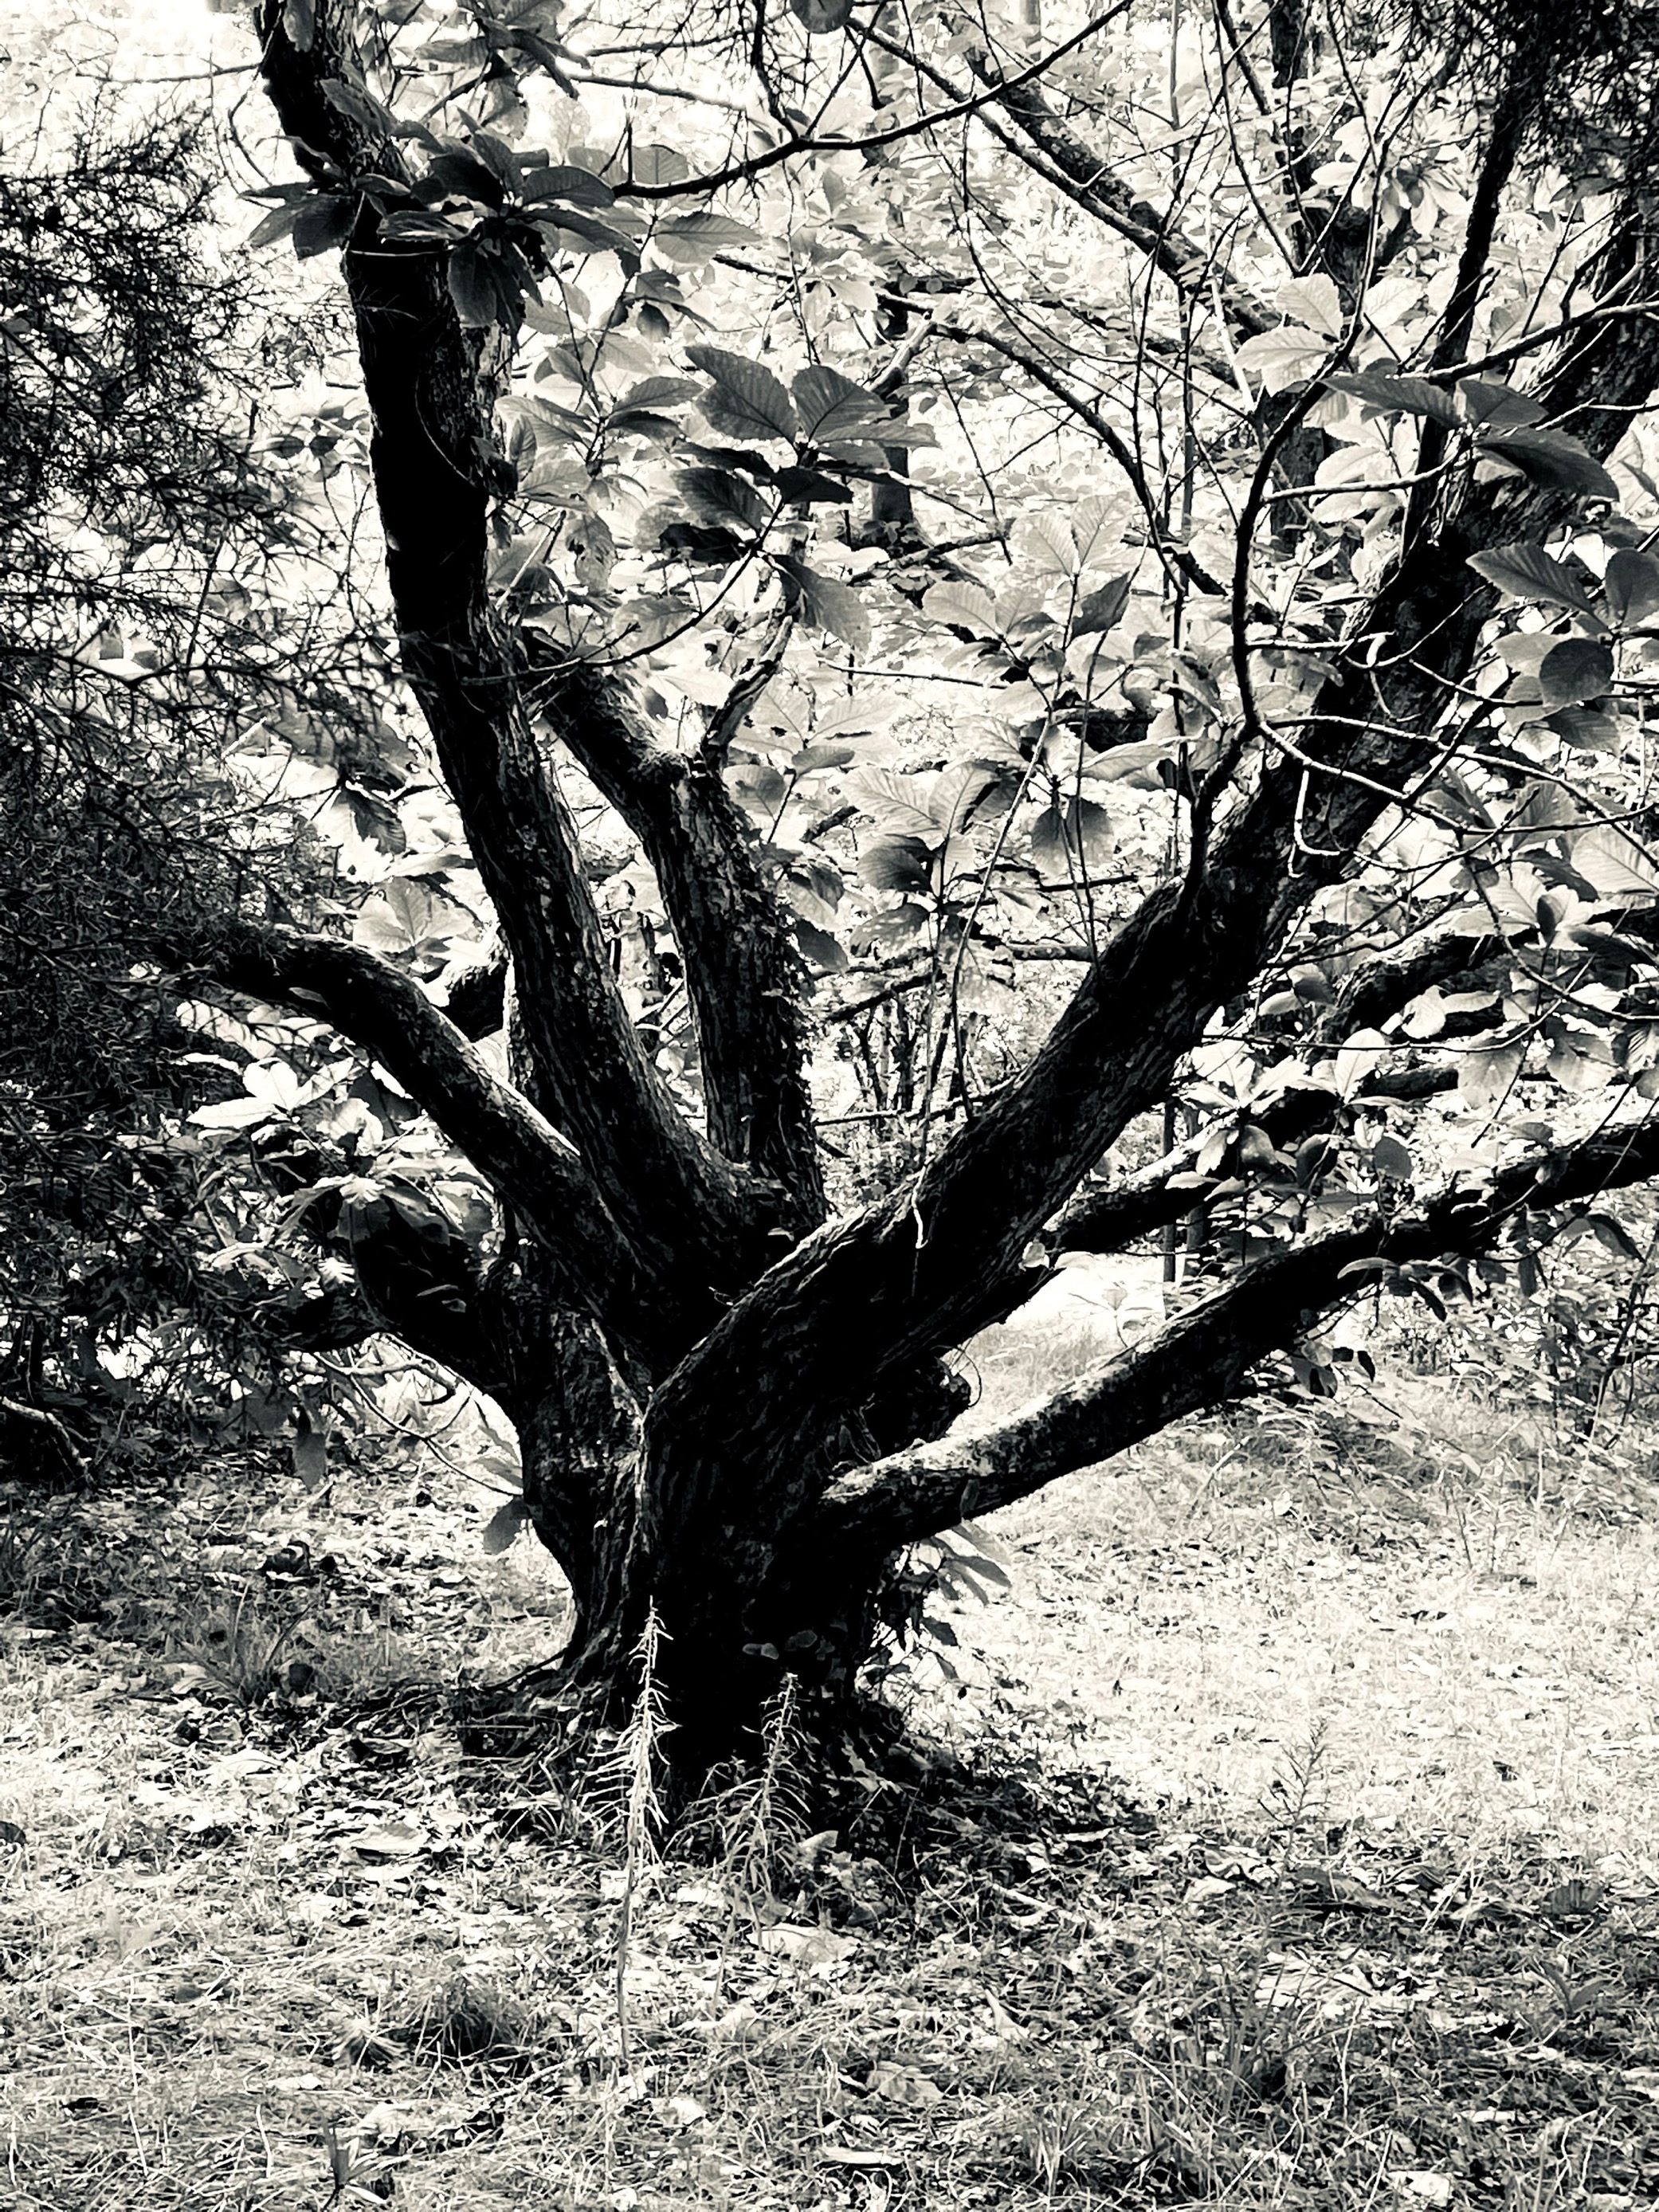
1287	1837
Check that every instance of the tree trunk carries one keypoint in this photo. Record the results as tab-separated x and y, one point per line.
740	1601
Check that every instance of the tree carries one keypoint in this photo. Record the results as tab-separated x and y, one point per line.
1306	678
147	625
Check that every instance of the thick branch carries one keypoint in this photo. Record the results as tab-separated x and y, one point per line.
535	1169
1046	144
429	387
906	1278
742	970
1198	1359
1108	1219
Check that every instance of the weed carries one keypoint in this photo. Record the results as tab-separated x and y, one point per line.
469	2018
240	1653
635	1768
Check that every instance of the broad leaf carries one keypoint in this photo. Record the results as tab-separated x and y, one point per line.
1550	458
822	16
830	405
1314	302
693	239
1527	572
323	223
811	488
1497	405
964	606
745	400
1632	584
1612	863
1045	541
828	604
505	1526
1485	1079
1102	609
1281	358
896	864
1390	1157
826	953
1409	395
1577	669
717	495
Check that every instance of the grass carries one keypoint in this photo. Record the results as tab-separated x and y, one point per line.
1290	1841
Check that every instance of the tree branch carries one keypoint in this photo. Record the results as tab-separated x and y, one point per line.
430	387
742	970
1199	1357
535	1169
1047	145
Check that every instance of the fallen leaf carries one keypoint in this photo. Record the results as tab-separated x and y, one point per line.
396	1841
807	1947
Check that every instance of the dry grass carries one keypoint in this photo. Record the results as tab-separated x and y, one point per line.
1450	1604
1242	1907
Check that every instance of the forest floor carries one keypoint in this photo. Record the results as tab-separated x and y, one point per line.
1291	1837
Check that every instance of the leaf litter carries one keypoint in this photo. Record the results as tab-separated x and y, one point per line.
299	1947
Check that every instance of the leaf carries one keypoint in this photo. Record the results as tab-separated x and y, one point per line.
406	918
1613	1238
826	953
1552	459
807	1947
1135	764
1359	1058
896	864
1280	358
1071	840
1485	1079
811	489
308	1449
822	16
356	102
830	405
1045	541
1577	671
299	22
1255	1149
1314	302
693	239
1612	863
395	1839
716	495
232	1113
1410	395
1527	572
277	224
897	805
322	224
505	1525
1390	1157
965	606
1049	840
1633	583
657	165
1102	609
745	400
830	604
1489	401
570	187
482	291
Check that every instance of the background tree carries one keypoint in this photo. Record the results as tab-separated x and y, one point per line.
1269	661
149	624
